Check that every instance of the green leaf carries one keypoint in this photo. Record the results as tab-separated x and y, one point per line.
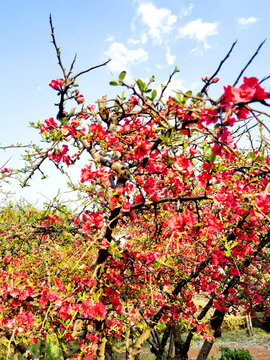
163	138
122	75
68	286
141	85
212	157
228	253
94	296
154	94
176	70
114	83
176	101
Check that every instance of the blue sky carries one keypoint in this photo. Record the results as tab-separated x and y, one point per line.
144	38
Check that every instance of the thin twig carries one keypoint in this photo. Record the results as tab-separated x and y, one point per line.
219	67
58	52
91	68
264	79
259	120
5	163
14	147
249	62
169	80
71	66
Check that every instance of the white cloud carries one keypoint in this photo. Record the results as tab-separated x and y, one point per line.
133	42
199	30
110	38
187	10
160	66
122	56
197	51
247	21
144	39
159	21
169	57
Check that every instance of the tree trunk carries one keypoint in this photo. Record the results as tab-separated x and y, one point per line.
249	325
141	339
171	351
42	349
205	350
181	348
216	322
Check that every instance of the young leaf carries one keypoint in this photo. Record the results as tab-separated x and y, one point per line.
176	101
154	94
114	83
141	85
122	75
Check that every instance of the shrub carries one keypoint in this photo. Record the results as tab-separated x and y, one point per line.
235	354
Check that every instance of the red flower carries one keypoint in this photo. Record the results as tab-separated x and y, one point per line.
243	93
133	101
4	170
56	84
214	260
126	206
176	223
65	130
79	99
48	125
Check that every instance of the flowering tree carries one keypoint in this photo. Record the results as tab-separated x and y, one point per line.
175	206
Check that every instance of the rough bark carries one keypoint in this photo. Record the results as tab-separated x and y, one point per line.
102	340
249	325
141	339
181	347
42	349
216	323
21	347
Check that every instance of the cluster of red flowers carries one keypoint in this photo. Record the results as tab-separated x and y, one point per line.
56	84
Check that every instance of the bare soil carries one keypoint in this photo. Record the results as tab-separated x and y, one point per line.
257	345
257	352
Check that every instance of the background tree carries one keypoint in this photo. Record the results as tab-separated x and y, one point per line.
175	205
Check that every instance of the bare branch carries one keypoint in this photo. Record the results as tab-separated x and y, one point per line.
58	52
5	163
168	199
169	80
91	68
264	79
71	66
219	67
14	147
249	62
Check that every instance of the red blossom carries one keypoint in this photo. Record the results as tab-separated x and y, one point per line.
4	170
79	99
56	84
133	101
125	206
49	124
